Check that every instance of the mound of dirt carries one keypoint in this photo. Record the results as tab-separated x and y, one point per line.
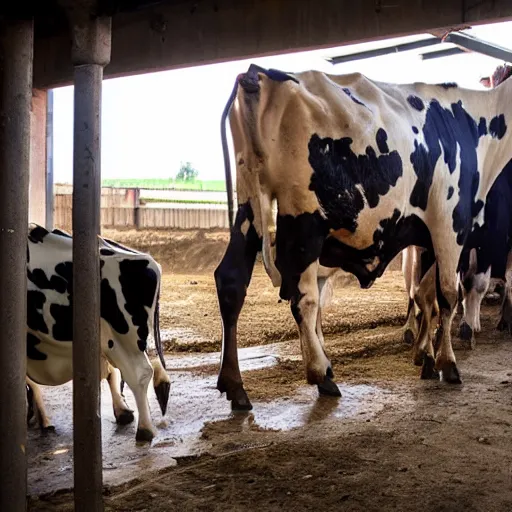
177	251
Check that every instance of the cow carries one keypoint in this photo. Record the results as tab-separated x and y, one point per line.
360	170
483	259
130	288
484	256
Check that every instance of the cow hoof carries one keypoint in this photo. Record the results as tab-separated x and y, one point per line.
49	429
162	395
450	373
240	401
465	332
503	325
428	370
328	387
125	417
235	393
419	358
144	435
409	337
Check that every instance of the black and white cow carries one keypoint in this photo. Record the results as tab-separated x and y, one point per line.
130	287
360	170
484	258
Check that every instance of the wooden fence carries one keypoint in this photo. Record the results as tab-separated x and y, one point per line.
184	218
143	217
121	208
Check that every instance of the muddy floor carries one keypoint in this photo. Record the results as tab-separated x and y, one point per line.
392	442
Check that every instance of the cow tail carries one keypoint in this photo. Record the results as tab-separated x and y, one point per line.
250	84
156	330
225	152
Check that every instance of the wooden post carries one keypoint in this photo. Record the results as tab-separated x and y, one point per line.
136	211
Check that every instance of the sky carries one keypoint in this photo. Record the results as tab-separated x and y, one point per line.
153	122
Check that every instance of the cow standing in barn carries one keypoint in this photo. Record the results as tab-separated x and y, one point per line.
360	170
130	287
485	257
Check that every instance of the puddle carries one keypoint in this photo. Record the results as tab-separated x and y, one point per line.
251	358
197	415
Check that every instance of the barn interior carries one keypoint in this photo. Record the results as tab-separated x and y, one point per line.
289	450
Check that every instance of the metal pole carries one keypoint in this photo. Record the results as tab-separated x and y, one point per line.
91	51
16	55
479	45
49	160
379	52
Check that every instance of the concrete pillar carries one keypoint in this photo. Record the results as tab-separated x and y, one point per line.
16	56
37	187
91	52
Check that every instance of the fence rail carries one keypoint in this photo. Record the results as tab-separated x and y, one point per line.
121	217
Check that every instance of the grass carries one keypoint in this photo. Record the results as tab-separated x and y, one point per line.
169	184
183	201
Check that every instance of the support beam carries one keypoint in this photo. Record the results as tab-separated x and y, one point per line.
91	52
379	52
449	52
478	45
179	34
49	161
16	53
37	188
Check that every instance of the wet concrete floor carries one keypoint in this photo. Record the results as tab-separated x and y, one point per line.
194	404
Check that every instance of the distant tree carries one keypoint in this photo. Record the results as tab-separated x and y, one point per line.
187	172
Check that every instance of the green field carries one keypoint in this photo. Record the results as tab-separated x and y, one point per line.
170	184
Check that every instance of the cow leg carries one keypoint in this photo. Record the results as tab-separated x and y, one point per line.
38	407
137	372
29	403
305	308
423	350
411	323
446	289
232	277
471	303
318	327
460	298
323	291
505	322
410	264
122	413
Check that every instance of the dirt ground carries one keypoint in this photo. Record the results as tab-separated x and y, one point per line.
392	442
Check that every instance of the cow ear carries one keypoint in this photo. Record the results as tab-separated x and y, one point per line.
486	81
472	261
